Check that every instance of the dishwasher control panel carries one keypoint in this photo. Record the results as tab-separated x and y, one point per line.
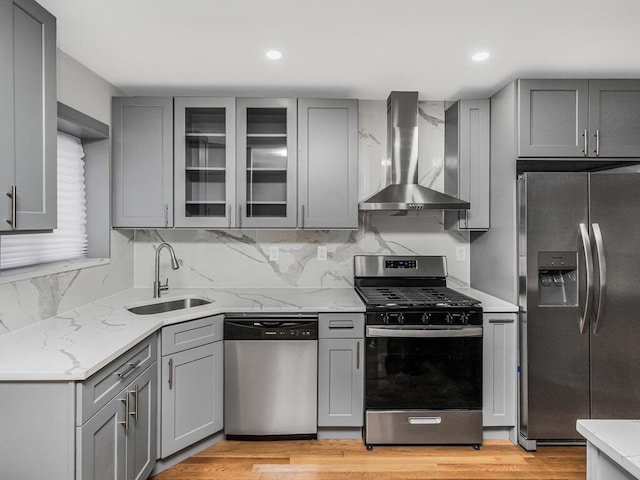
252	329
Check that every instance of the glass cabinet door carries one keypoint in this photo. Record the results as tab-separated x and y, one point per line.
266	162
204	162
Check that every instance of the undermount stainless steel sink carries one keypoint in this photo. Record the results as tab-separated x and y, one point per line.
168	306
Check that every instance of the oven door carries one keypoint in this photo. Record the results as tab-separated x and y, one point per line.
413	368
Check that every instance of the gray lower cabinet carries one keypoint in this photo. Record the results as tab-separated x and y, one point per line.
142	162
192	384
578	118
327	163
340	370
28	117
466	161
119	442
499	370
101	428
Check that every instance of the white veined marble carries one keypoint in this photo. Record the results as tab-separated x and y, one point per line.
28	301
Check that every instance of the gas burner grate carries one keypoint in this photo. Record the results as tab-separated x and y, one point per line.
414	296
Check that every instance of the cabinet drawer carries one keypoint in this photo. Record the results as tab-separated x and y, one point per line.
95	392
186	335
340	325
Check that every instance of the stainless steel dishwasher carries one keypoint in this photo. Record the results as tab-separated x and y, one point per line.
271	376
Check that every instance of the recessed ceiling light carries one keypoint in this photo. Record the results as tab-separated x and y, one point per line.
274	55
480	56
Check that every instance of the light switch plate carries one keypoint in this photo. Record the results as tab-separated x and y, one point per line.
274	253
322	253
461	254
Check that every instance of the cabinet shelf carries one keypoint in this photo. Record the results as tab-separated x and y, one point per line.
266	169
205	202
206	169
266	135
265	202
205	135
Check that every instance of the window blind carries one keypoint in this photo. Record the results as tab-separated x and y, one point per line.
69	240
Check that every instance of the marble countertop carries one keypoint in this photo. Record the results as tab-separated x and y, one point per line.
74	345
490	304
618	439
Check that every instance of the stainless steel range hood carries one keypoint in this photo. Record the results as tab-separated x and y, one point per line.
404	193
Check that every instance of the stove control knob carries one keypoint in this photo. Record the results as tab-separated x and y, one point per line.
400	318
464	318
426	318
385	318
448	319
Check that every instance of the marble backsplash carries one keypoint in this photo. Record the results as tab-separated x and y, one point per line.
240	258
28	301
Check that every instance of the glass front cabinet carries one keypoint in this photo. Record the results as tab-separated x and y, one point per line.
204	156
266	162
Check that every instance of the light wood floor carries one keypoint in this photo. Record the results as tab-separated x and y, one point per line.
348	459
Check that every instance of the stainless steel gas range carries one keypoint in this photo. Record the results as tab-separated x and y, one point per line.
423	353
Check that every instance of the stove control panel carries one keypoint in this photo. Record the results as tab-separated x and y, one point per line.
432	317
413	264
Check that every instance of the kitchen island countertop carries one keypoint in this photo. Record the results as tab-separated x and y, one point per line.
617	439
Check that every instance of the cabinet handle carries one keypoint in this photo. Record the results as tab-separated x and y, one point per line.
171	374
136	396
585	150
126	411
501	320
229	213
239	216
13	195
302	216
358	355
131	368
597	135
166	216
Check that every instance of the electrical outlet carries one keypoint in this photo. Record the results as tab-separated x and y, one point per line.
322	253
274	253
461	254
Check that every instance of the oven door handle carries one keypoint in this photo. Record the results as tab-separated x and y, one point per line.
424	332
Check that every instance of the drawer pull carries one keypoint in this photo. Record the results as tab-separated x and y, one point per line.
501	320
341	324
425	420
132	366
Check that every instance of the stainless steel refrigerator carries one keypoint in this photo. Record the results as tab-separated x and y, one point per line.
579	295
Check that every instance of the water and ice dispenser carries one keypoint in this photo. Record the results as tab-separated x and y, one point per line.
557	279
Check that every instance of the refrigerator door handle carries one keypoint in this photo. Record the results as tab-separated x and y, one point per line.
602	274
588	259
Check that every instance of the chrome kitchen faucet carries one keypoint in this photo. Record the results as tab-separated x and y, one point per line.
157	286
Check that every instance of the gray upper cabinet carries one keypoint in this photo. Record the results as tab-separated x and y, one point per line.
614	118
142	162
579	118
266	162
467	160
28	117
205	176
553	117
327	163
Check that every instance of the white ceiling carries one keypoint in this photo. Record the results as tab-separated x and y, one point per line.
346	48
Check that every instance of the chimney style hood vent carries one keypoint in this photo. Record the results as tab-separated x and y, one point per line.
404	193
